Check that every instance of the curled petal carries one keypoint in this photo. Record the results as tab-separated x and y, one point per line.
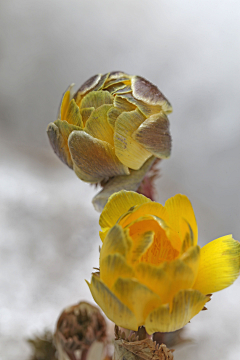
97	125
67	96
180	215
58	133
149	208
161	249
154	135
137	297
115	87
114	242
96	99
118	204
145	91
117	75
219	265
86	87
114	264
172	235
73	115
192	259
64	105
114	309
186	304
144	108
130	182
112	116
85	113
128	150
93	159
120	80
159	214
101	83
123	104
188	240
141	243
125	90
112	85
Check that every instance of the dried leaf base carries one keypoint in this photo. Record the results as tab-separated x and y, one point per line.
131	348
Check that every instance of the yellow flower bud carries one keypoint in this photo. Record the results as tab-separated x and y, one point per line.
152	272
113	124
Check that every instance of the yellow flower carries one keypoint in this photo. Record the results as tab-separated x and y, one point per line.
114	123
152	272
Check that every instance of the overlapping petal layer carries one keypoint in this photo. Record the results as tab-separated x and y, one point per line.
127	113
84	147
151	268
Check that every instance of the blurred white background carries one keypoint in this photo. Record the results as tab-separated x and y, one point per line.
49	229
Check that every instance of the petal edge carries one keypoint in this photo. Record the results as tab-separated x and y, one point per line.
219	265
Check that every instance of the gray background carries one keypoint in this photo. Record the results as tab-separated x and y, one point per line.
49	233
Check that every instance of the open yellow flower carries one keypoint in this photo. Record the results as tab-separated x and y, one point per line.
152	272
111	126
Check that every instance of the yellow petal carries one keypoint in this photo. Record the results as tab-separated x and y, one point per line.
155	278
181	277
141	243
125	79
129	240
93	159
130	182
144	108
192	259
114	242
137	297
125	90
161	249
123	104
114	87
112	267
86	87
112	116
166	279
179	208
154	135
58	133
219	265
128	150
149	208
160	214
97	125
111	305
171	234
103	233
96	99
147	92
118	204
188	240
101	82
186	304
117	74
85	113
64	104
73	115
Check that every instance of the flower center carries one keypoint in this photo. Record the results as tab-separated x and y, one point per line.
161	248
